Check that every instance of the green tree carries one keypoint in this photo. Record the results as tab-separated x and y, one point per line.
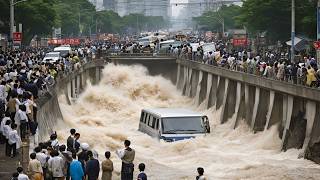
37	17
212	20
274	17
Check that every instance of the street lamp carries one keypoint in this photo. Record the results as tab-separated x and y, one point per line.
292	30
12	4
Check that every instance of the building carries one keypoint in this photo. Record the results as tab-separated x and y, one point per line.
158	8
145	7
109	5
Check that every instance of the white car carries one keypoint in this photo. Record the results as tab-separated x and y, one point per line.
52	57
64	50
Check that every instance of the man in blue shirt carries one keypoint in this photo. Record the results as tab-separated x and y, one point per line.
76	171
142	175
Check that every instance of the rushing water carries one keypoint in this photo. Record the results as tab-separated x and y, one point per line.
108	113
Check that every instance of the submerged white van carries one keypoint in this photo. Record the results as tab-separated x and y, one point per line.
171	124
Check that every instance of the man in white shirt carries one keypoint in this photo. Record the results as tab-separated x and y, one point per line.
55	165
21	120
3	122
14	141
6	130
22	176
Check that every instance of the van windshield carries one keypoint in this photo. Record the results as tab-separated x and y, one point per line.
182	125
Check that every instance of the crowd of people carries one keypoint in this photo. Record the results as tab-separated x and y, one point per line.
76	161
268	65
52	160
24	77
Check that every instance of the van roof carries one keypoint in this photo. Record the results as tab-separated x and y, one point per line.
172	112
62	48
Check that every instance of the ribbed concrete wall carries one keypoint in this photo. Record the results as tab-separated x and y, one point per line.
49	113
260	102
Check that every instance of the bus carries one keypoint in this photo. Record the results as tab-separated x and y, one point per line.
173	124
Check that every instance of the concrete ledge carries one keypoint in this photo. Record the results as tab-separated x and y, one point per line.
278	86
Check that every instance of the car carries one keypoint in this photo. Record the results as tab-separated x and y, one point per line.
52	57
64	50
173	124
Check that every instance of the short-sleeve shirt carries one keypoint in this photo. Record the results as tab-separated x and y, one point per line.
142	176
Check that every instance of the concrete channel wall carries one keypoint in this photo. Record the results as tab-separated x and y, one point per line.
49	113
258	101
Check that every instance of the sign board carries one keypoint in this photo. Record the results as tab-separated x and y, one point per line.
17	36
240	42
70	41
316	45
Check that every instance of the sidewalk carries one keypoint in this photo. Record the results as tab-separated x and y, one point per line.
7	165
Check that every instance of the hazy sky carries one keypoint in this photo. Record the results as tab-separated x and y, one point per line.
176	9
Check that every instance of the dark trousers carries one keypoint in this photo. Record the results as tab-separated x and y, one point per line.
12	115
13	149
127	171
23	129
7	148
2	139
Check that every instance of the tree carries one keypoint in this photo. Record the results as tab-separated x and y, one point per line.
37	17
212	20
274	17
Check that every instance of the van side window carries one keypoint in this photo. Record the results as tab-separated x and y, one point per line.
142	117
147	118
157	124
150	121
153	125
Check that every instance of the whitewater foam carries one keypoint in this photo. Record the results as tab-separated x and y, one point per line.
108	113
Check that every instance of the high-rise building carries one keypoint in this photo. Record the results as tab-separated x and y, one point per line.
109	5
145	7
158	8
136	6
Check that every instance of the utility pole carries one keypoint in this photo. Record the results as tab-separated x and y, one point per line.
11	19
318	31
292	30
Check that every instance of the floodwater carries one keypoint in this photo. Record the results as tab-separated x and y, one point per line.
108	113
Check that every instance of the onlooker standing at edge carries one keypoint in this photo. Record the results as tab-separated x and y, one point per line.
55	165
76	141
107	167
42	158
142	175
76	170
200	174
22	176
127	156
92	167
14	141
6	130
70	140
34	168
